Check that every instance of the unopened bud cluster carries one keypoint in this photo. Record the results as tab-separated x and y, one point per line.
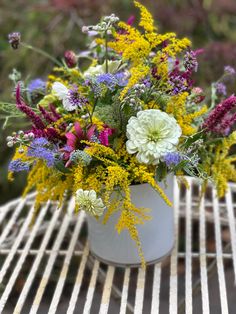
104	26
19	138
133	98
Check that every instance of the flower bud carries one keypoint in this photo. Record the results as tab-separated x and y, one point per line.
10	144
14	39
70	58
85	29
9	138
31	135
21	150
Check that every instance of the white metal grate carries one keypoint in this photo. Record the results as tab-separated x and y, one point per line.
48	268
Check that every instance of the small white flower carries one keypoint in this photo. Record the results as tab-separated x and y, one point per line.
152	134
88	201
62	92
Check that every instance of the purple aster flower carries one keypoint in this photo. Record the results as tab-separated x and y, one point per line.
36	85
229	70
190	61
39	148
172	159
75	98
178	83
147	82
221	88
14	39
18	165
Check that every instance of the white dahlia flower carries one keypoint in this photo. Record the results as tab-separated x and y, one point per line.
152	134
88	201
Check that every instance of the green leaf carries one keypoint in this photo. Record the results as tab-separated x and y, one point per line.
189	172
193	139
180	165
60	166
161	171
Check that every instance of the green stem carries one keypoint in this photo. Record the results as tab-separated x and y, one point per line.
94	106
106	52
43	53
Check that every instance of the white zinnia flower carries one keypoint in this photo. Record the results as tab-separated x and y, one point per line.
63	93
88	201
152	134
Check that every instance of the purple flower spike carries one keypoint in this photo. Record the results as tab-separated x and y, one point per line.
190	61
219	115
37	121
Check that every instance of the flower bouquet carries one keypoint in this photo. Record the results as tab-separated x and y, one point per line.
114	132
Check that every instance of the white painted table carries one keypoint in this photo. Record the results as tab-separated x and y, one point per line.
48	269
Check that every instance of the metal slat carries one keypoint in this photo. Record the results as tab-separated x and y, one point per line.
78	281
16	244
51	261
12	220
91	288
231	218
138	307
203	260
188	256
124	296
35	266
23	257
219	257
107	290
173	299
156	289
65	268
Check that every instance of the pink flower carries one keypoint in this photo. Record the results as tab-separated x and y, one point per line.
74	139
104	136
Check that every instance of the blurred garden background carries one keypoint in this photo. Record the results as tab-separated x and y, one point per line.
55	26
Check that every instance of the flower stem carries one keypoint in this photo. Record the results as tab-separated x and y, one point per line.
43	53
106	52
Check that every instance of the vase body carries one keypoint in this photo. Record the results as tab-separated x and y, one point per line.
156	235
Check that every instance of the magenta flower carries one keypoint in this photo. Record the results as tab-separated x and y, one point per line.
74	139
37	121
104	136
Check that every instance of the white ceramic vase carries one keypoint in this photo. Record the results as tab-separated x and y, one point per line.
156	235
